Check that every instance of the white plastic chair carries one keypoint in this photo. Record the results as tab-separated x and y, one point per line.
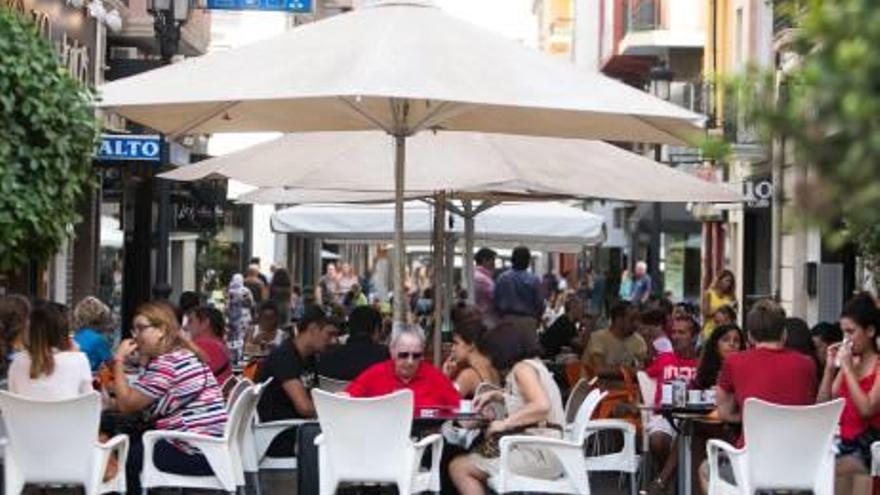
228	385
569	450
575	398
262	433
247	443
70	428
331	385
222	453
570	454
624	460
368	441
648	390
787	448
236	390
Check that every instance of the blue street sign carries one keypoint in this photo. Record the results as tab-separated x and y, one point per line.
143	148
291	6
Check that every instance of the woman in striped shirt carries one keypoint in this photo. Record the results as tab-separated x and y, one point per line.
175	389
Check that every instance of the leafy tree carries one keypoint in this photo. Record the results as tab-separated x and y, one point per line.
827	108
48	135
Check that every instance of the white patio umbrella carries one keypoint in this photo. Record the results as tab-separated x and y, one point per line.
401	66
466	163
543	225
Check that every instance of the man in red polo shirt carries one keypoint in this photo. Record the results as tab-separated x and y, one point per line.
406	370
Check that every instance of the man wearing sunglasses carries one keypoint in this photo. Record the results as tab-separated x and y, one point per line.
407	370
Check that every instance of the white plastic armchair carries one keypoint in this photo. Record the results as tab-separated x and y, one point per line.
624	460
236	390
71	428
262	435
787	448
368	441
570	454
648	390
222	453
576	397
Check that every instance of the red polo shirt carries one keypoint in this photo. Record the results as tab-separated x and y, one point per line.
430	386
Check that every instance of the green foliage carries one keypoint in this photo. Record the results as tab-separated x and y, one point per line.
46	144
715	150
828	110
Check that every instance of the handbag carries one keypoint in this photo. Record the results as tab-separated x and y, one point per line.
490	447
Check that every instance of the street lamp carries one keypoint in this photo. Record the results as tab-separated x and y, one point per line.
660	78
168	16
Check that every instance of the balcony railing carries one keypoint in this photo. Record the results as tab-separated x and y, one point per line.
642	15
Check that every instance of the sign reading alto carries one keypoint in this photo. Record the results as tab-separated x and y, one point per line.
126	147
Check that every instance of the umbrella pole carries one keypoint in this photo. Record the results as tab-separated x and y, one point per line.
400	302
440	268
467	257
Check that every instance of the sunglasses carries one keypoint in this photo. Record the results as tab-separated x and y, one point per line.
407	355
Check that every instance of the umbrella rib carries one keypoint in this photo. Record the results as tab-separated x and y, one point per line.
363	113
201	119
443	110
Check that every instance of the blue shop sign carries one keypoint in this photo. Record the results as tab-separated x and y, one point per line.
142	148
291	6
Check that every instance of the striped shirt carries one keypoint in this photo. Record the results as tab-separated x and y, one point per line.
187	397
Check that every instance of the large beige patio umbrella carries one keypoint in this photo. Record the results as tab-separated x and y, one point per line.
401	66
467	163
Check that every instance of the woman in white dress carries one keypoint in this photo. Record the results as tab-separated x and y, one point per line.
534	407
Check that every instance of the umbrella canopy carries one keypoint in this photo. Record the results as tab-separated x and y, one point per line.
401	66
544	225
464	162
340	73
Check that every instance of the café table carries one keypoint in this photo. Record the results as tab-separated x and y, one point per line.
682	418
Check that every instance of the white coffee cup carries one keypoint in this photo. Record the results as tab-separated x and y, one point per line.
466	406
695	396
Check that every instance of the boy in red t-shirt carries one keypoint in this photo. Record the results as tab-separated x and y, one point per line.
768	371
681	364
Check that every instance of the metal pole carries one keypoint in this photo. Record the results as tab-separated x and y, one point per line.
400	303
439	240
163	219
467	257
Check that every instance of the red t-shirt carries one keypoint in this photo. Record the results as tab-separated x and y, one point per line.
852	424
780	376
430	386
670	366
218	356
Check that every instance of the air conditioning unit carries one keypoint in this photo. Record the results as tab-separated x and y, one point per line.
123	52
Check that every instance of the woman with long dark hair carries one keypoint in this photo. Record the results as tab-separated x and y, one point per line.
531	397
851	374
466	365
48	368
724	341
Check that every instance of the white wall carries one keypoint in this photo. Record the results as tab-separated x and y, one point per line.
585	50
684	15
